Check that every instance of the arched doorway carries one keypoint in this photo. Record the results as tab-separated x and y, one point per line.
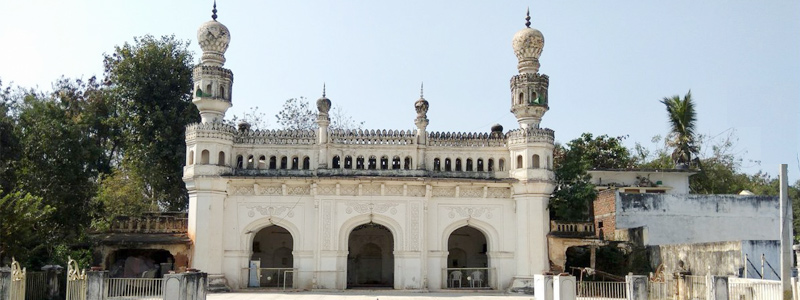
370	259
467	262
271	263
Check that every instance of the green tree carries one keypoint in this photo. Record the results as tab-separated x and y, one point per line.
574	192
151	80
24	221
683	120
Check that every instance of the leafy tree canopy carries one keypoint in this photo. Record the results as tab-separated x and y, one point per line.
152	82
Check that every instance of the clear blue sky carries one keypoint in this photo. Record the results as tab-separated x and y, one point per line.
609	62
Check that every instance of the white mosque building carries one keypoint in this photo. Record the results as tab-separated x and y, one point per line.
338	209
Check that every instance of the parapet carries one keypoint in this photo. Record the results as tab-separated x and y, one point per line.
372	137
465	139
530	135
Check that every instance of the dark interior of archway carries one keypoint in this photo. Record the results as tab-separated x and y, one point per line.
467	248
370	259
138	263
272	249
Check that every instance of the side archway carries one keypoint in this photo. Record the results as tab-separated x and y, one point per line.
491	234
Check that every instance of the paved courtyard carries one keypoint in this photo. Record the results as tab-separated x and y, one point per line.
365	295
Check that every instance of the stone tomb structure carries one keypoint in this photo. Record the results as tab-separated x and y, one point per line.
338	209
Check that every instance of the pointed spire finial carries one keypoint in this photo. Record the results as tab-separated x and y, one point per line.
323	90
421	89
214	11
528	18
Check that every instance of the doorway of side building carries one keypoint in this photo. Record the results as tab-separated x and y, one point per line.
467	262
271	263
370	259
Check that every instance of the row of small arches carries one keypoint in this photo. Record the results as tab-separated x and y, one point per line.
535	162
209	93
371	163
468	166
205	157
274	162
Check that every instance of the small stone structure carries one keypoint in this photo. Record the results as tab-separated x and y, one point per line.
135	244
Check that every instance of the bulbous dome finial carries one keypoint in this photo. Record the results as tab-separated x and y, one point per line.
421	106
528	44
213	38
323	103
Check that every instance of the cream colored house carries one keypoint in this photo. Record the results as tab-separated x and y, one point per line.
334	209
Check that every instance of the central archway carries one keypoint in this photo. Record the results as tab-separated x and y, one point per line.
370	259
271	262
467	262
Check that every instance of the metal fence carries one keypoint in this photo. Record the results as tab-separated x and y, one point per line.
36	286
76	281
696	287
601	290
269	277
135	288
468	278
754	289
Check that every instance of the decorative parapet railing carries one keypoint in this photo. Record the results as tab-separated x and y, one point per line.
530	135
276	137
465	139
372	137
151	223
529	77
572	228
210	130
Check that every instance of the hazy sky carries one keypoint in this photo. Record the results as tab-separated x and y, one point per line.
609	62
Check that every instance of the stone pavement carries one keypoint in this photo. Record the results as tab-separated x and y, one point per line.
365	295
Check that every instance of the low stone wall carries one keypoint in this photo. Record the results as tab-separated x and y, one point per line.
717	258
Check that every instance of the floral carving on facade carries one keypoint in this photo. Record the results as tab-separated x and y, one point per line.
299	190
243	190
270	211
369	207
444	191
415	191
470	212
326	190
394	190
270	190
498	193
471	192
371	190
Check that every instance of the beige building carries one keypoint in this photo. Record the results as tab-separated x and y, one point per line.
338	209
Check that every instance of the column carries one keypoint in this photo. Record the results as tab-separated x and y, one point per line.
564	288
206	215
636	286
719	288
96	285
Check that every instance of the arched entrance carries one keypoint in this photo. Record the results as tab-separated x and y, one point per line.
370	259
271	262
467	262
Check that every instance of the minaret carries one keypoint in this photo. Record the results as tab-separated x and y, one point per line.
212	82
323	120
207	190
528	88
421	106
531	154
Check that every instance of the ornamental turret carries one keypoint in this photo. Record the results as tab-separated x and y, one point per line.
421	106
212	82
323	119
529	88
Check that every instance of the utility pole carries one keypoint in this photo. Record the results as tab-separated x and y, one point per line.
786	234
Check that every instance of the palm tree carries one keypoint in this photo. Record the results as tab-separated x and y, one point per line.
682	119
